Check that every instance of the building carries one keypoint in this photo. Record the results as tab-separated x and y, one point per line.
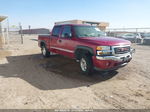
101	25
35	31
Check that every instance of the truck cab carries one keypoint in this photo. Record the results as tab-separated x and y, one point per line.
88	45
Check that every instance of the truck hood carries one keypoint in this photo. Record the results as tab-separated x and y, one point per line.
106	41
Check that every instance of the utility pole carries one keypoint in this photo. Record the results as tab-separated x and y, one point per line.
29	30
20	28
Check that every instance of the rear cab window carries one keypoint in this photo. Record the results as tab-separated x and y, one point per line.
56	31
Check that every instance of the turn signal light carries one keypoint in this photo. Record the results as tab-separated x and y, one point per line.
99	48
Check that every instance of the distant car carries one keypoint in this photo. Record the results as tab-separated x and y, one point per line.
132	37
146	35
146	38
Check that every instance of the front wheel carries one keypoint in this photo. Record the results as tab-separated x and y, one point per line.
45	52
86	65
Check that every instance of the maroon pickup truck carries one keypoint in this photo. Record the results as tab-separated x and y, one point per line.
88	45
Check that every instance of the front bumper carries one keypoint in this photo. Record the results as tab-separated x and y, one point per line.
115	58
106	63
115	67
118	58
110	64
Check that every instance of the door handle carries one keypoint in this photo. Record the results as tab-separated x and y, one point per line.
60	41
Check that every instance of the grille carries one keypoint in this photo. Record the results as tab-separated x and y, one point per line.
122	50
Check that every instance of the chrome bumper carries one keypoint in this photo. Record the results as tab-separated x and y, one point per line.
115	58
119	58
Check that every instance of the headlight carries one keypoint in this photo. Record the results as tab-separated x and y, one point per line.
103	50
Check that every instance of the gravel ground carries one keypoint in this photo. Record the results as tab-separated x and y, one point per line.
29	81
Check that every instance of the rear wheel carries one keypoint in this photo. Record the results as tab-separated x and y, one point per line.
44	51
86	65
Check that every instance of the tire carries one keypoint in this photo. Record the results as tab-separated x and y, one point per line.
86	65
44	51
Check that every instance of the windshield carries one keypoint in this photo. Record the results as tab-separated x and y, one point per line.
88	31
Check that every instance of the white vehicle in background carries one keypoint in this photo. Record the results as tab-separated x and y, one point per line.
132	37
146	38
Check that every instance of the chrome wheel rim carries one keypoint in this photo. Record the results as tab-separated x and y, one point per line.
83	64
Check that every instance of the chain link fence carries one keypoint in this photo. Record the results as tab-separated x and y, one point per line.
9	35
135	35
116	32
15	37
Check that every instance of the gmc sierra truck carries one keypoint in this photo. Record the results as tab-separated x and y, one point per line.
88	45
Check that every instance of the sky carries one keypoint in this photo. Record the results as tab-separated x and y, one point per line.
43	13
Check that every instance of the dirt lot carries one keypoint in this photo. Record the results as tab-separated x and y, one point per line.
27	80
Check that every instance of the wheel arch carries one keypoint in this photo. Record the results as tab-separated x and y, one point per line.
42	43
80	50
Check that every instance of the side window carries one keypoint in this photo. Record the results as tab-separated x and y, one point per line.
66	32
56	31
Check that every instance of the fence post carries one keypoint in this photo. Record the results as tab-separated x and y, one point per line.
21	33
1	41
7	31
29	30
